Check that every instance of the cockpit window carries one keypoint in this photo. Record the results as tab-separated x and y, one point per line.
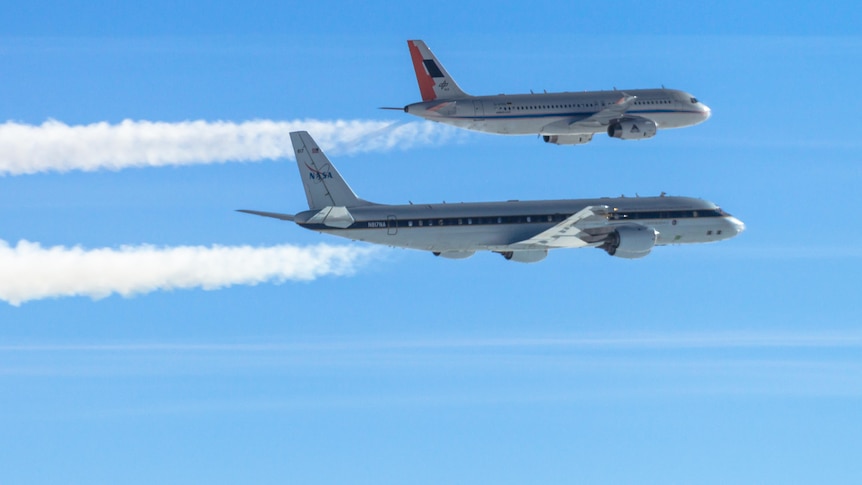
693	100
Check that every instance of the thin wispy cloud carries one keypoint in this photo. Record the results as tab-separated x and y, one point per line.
54	146
550	369
32	272
660	342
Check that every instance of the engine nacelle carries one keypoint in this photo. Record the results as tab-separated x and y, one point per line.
454	254
578	139
632	129
526	256
631	241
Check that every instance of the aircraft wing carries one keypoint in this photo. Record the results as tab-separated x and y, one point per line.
584	228
597	120
610	113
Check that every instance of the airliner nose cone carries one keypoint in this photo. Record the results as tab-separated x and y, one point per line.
738	225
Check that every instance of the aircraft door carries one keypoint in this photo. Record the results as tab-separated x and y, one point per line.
478	109
391	225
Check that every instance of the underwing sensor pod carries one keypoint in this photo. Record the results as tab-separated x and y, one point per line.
521	231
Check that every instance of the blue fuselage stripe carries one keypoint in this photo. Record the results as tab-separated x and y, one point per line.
467	221
585	115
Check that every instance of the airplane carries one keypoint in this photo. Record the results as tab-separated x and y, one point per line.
625	227
566	118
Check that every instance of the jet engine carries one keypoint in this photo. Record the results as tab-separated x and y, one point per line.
526	256
454	254
632	129
630	241
578	139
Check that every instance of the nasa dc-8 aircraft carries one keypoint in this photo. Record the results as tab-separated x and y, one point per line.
625	227
561	118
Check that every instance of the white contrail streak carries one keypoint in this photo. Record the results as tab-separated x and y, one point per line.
56	146
30	272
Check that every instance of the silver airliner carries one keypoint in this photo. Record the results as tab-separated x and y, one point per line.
626	227
562	118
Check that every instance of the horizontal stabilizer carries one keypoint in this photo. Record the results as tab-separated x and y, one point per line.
338	217
274	215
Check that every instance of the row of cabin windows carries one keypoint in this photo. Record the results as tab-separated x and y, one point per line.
653	101
467	221
668	214
576	105
556	106
556	218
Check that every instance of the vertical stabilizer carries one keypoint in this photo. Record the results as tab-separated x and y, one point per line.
434	81
323	185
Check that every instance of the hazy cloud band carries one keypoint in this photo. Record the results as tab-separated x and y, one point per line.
56	146
31	272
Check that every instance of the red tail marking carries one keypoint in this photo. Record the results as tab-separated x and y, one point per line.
426	83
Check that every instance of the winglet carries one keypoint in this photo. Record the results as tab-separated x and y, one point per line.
625	100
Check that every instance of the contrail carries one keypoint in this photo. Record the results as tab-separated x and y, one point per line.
30	272
56	146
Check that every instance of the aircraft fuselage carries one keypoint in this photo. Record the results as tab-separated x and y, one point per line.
625	227
495	226
559	113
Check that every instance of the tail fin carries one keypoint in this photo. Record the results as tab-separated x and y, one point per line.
323	185
434	81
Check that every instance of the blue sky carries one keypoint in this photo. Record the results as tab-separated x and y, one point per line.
730	362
